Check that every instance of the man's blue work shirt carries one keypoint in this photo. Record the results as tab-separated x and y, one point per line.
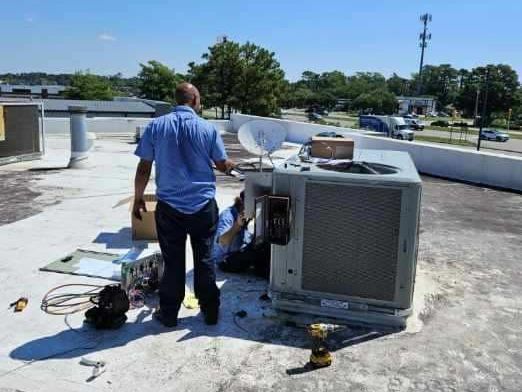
183	146
241	240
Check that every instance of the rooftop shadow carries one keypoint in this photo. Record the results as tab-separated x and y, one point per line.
238	293
120	240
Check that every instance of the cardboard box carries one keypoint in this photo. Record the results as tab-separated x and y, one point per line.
332	147
145	229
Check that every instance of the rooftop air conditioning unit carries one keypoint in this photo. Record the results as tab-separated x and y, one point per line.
353	237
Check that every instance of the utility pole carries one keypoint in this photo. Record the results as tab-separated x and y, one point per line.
424	37
475	114
484	106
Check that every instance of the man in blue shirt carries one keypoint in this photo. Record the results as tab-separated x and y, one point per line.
232	233
234	248
184	148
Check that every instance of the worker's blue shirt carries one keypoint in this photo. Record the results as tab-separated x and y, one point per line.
183	147
241	240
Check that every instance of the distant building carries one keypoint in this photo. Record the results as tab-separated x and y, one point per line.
161	107
136	108
119	107
417	105
342	104
24	91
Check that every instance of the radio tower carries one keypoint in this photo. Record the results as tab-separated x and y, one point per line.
424	37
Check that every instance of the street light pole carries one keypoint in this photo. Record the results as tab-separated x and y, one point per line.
484	106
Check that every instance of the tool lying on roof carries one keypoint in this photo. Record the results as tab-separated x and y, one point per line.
106	306
99	367
321	356
19	304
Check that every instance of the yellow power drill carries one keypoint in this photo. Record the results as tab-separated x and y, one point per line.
321	356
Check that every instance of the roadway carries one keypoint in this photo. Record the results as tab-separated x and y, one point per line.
511	147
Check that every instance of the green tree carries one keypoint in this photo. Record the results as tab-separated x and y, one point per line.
157	81
440	81
516	115
310	80
298	96
124	86
224	70
199	75
503	86
326	88
398	85
89	86
378	101
219	75
463	76
364	82
245	77
261	83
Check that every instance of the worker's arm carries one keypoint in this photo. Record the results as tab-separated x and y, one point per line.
140	183
219	155
225	166
227	238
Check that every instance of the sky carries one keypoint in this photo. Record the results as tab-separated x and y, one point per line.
112	36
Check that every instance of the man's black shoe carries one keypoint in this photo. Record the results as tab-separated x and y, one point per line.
169	322
211	315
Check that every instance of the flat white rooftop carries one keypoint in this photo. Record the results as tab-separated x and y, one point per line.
469	285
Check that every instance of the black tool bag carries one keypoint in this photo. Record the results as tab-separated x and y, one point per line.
111	305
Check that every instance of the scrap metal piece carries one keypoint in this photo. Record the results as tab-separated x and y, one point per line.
99	367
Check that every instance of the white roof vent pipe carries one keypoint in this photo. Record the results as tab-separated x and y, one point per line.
81	140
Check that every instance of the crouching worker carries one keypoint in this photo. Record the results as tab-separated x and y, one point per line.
234	249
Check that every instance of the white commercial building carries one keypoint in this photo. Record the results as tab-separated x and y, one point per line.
417	105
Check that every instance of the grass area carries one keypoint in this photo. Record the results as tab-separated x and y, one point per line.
435	139
456	131
342	118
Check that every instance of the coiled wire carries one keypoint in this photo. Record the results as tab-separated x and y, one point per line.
69	303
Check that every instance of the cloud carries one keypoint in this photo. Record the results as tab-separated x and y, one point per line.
106	37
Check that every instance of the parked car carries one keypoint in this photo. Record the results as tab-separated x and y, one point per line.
440	123
414	124
329	134
494	135
314	116
317	109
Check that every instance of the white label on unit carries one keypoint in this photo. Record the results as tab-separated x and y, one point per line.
332	303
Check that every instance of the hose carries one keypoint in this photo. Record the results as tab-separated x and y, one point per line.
70	303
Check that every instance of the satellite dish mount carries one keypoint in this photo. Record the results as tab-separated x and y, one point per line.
262	138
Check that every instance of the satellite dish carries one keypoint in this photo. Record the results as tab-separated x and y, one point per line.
261	137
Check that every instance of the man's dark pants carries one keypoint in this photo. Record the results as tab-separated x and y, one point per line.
173	228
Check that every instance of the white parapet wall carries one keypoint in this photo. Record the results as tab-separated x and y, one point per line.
456	163
111	125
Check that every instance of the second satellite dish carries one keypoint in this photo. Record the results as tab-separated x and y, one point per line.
261	137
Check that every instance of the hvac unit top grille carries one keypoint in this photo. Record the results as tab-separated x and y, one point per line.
350	242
